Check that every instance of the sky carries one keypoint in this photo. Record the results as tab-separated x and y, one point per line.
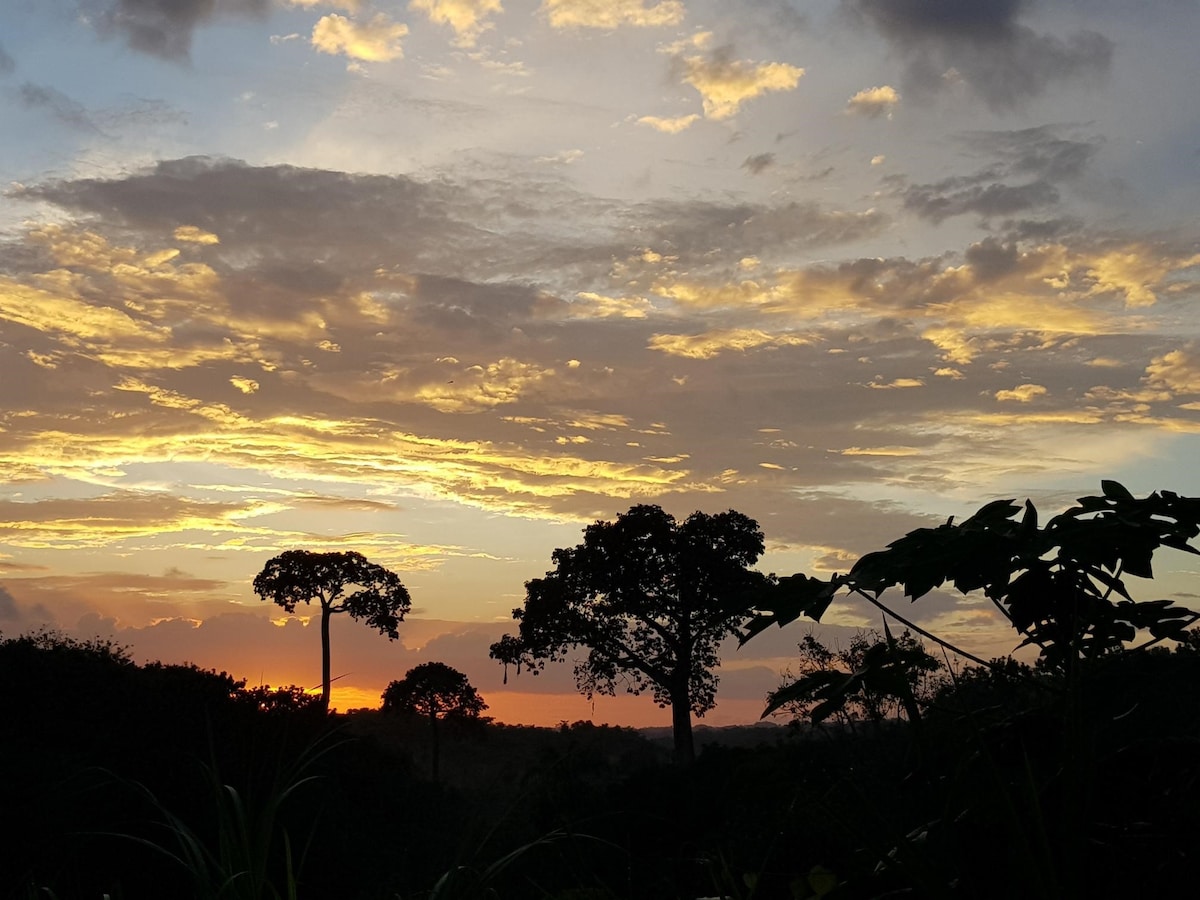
444	281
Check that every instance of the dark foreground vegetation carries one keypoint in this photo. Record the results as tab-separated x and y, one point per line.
163	781
1078	777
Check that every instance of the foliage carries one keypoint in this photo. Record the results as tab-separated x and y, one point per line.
872	678
650	599
1061	585
252	856
436	690
301	576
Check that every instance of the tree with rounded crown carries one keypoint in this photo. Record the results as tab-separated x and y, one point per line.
301	576
436	691
650	599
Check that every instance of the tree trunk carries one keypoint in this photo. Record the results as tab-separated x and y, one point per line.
681	726
326	612
433	730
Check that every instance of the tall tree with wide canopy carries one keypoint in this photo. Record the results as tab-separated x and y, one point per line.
436	691
651	599
301	576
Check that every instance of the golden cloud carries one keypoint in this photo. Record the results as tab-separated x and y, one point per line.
1177	371
192	235
611	13
669	126
872	102
725	84
721	295
590	305
713	343
880	451
347	5
1022	393
1134	272
484	387
466	17
377	40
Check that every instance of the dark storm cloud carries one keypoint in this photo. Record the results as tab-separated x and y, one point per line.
913	20
991	259
273	211
759	163
58	104
7	64
458	306
164	28
1038	158
1040	230
698	227
982	43
1039	152
935	202
275	221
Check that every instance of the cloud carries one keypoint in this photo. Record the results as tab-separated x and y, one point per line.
609	14
164	28
725	83
135	344
347	5
940	201
758	163
58	104
1022	393
874	102
710	344
376	40
8	607
983	46
193	235
245	385
669	126
1177	371
7	64
1134	272
466	17
1039	160
694	229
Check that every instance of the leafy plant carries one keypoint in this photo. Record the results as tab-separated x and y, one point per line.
252	856
1061	585
874	676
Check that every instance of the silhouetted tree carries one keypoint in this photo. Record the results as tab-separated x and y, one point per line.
651	599
872	677
434	690
300	576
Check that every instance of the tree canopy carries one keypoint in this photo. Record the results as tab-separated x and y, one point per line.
650	599
435	690
301	576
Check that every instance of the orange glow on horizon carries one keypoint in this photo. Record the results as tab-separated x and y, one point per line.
551	710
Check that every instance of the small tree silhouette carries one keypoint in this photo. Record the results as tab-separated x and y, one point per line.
301	576
436	691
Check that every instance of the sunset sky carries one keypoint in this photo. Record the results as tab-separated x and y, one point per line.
443	281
